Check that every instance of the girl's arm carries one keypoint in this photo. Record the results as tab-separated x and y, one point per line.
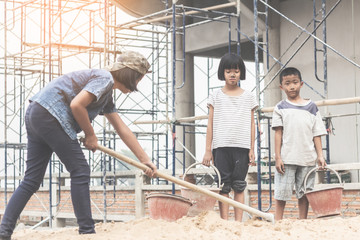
252	143
130	140
78	107
208	157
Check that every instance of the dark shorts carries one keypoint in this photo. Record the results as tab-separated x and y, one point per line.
233	165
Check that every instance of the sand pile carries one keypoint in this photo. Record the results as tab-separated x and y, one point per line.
208	226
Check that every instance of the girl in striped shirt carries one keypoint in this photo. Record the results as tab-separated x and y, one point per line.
230	135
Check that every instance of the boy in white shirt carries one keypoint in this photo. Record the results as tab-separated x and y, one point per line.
298	129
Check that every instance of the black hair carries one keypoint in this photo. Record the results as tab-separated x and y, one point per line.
231	61
290	71
128	77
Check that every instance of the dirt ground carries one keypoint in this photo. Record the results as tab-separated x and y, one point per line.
208	226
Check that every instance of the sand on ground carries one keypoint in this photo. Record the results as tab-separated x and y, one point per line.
207	226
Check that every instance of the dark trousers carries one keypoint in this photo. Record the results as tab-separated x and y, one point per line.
46	136
233	165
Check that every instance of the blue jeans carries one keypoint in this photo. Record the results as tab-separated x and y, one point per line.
46	136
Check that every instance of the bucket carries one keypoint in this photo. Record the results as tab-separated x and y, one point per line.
167	206
202	202
327	201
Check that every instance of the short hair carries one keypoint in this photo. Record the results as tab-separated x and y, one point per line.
128	77
289	71
231	61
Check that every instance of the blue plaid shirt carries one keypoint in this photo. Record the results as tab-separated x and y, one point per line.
57	95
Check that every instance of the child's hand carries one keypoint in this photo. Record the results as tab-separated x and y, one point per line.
90	142
208	159
279	164
321	162
151	171
252	158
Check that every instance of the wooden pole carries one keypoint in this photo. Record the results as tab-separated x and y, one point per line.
319	103
325	102
267	216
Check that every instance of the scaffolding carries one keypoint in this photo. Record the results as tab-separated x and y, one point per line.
51	37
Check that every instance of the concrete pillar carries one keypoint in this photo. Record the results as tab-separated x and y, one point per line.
139	195
184	96
184	105
56	222
273	93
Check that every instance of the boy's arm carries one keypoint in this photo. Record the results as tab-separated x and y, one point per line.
78	108
278	141
208	157
318	147
130	140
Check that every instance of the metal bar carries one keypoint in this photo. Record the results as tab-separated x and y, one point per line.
315	47
104	168
257	78
229	35
159	19
173	91
267	36
238	44
183	151
41	222
269	156
183	51
325	50
5	103
50	76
